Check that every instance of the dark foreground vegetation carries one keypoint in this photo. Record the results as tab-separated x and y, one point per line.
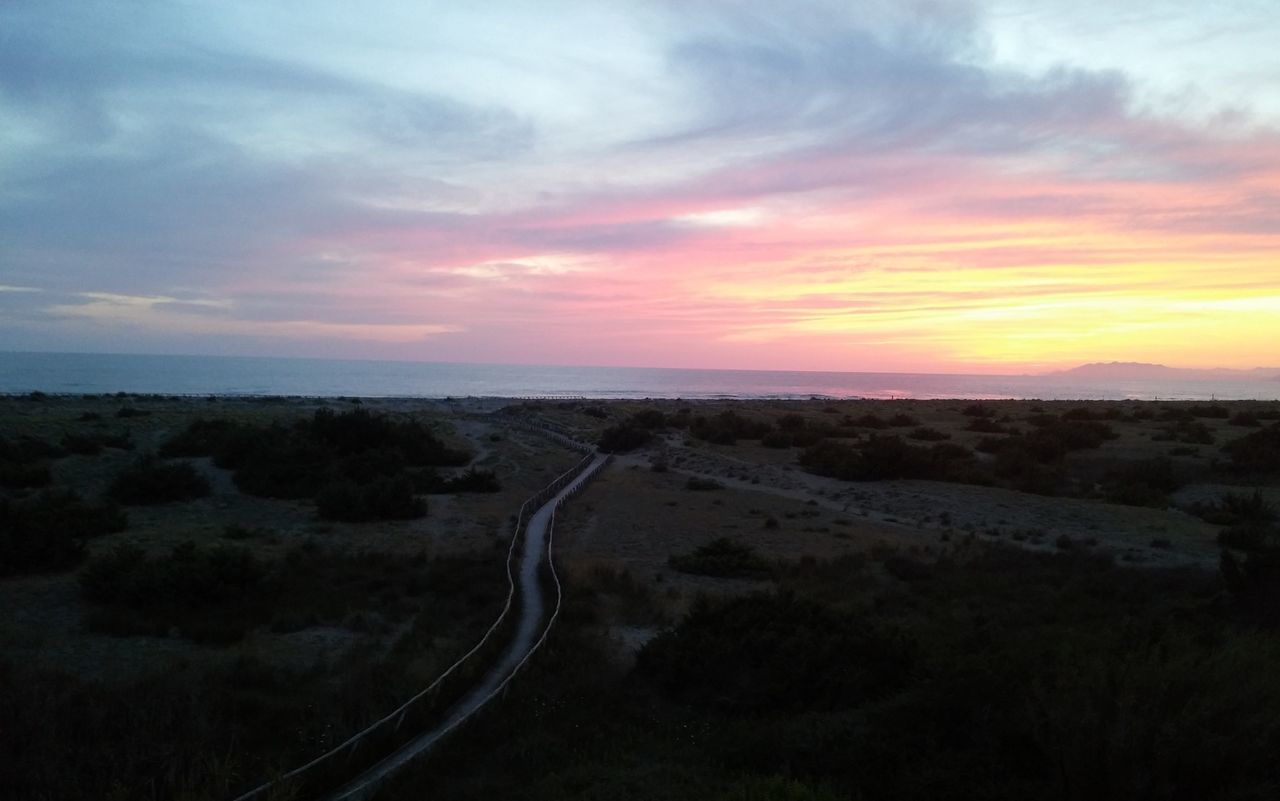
211	731
48	531
993	674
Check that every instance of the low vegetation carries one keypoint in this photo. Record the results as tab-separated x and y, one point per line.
151	481
1001	674
723	558
357	465
47	531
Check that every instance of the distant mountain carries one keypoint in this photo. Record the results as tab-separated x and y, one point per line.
1126	371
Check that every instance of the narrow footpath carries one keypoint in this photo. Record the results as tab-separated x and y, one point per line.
529	627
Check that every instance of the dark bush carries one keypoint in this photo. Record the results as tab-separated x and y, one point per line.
150	481
978	410
1257	451
869	421
791	422
887	457
1233	509
772	653
1145	483
474	480
777	439
1245	420
1214	412
1192	432
986	425
150	595
902	420
926	434
648	419
382	499
722	558
48	531
24	475
622	438
201	438
1080	413
727	427
702	484
298	460
81	444
1248	536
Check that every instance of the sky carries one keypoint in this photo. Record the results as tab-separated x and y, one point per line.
907	185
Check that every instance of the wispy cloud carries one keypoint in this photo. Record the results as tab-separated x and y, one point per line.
900	184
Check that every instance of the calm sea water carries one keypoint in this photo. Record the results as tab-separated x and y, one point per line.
72	373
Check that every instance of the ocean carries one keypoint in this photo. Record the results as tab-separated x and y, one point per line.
78	373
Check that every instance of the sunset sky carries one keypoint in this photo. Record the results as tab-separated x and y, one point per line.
1000	186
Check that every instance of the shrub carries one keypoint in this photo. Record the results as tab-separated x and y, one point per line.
19	475
383	499
129	411
1245	420
887	457
151	595
1257	451
474	480
722	558
1213	412
1192	432
902	420
1234	508
777	439
622	438
869	421
927	434
1079	413
727	427
648	419
791	422
978	410
770	653
149	481
1144	483
298	460
986	425
48	531
81	444
702	484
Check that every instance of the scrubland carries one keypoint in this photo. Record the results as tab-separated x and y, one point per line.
765	600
